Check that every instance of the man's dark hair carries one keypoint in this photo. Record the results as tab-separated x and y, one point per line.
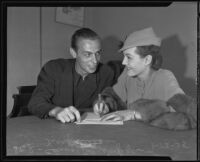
84	33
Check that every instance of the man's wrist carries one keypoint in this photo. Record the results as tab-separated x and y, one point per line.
52	112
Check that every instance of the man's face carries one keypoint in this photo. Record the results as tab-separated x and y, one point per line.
134	63
88	55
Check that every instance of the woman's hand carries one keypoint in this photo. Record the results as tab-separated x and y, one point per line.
123	115
100	108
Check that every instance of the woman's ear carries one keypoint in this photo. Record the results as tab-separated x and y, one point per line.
148	59
72	52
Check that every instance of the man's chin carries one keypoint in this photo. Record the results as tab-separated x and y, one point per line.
92	70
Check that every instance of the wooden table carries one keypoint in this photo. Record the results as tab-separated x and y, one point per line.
33	136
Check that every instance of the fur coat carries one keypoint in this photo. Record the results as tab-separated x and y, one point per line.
156	112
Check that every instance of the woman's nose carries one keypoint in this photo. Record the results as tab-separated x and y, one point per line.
124	62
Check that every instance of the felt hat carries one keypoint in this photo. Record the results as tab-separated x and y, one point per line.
141	38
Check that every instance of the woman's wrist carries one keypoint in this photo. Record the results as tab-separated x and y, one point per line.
135	115
132	114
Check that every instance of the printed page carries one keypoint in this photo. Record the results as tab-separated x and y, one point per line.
92	118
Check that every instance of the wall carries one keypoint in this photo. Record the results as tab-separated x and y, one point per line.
23	53
34	37
55	36
175	24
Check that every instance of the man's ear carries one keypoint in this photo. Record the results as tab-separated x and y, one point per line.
72	52
148	59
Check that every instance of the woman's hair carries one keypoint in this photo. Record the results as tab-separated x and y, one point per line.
84	33
154	51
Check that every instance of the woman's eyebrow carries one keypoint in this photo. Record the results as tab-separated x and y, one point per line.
127	54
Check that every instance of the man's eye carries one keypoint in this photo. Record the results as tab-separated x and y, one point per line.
87	54
98	54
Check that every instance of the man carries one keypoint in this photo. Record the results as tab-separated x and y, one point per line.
65	87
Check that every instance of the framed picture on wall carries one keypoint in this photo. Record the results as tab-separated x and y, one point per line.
70	15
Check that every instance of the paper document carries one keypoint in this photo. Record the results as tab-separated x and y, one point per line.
92	118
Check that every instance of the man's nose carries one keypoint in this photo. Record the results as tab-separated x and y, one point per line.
94	58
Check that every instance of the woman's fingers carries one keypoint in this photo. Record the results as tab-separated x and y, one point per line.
112	117
100	108
105	109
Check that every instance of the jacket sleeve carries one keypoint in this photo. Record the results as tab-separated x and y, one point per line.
40	103
149	109
113	101
185	104
170	85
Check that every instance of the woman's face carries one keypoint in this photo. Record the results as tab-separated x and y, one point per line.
135	64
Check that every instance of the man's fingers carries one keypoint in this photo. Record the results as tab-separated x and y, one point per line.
78	116
69	114
66	118
63	118
75	112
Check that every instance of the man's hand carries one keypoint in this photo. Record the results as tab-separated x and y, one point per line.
68	114
100	108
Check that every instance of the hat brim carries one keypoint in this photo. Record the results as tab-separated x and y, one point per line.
142	43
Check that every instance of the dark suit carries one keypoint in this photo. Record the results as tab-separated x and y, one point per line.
55	87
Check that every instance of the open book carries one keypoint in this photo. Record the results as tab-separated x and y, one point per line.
92	118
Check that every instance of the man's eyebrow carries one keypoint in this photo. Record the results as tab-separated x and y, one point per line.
88	52
92	52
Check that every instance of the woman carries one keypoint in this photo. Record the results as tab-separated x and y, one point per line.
144	91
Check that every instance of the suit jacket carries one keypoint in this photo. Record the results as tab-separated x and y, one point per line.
55	86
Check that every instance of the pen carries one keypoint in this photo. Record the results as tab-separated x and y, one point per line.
99	102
